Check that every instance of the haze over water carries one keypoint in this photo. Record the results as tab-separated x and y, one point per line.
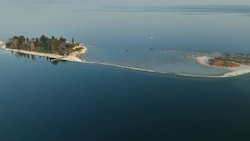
75	101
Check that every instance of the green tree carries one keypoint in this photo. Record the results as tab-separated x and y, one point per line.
44	42
21	39
44	39
62	40
73	41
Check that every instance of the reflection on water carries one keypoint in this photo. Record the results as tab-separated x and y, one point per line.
53	61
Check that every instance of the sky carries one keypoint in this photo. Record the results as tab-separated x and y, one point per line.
133	2
176	2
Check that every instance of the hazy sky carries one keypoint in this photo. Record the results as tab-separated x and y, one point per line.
133	2
175	2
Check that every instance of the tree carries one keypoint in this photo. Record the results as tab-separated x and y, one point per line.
14	38
32	45
44	42
37	43
44	39
21	39
62	40
73	41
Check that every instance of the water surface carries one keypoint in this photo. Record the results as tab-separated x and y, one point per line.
76	101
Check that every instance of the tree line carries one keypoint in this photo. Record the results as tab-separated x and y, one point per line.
42	44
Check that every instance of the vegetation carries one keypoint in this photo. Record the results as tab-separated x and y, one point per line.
237	58
43	44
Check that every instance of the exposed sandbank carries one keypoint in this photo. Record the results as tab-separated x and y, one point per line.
234	71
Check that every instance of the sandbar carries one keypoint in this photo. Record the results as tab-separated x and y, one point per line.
234	71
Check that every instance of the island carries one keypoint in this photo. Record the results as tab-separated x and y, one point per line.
223	63
236	63
55	48
230	60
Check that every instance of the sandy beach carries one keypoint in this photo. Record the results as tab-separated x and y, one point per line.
234	71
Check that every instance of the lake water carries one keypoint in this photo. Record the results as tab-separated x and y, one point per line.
77	101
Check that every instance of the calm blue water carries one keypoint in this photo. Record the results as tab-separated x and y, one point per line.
75	101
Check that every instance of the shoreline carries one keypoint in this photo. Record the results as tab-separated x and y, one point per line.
201	60
234	71
73	56
160	72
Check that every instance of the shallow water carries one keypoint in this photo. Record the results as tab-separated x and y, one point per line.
156	60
